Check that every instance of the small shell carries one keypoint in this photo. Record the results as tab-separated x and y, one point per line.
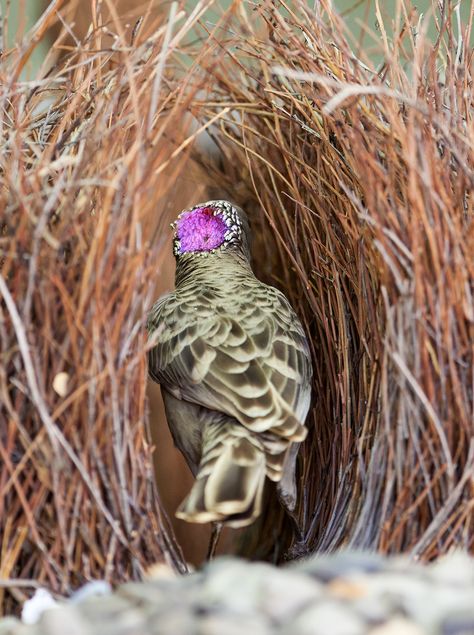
60	383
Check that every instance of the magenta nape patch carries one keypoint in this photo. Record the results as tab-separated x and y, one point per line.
200	230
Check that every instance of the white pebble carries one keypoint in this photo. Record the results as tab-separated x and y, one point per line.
33	608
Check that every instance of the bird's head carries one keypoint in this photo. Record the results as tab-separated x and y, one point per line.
212	227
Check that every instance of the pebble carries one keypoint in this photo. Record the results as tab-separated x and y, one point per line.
326	618
92	588
345	593
397	626
61	620
279	592
327	567
225	624
33	608
455	570
9	626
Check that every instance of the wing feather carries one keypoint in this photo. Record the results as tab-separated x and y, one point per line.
249	361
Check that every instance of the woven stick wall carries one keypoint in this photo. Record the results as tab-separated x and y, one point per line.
360	175
86	167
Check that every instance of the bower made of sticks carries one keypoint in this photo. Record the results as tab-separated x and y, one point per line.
357	176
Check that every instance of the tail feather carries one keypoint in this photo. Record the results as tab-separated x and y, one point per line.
193	508
232	491
235	479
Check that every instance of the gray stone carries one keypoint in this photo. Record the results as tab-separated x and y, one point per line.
131	622
91	589
371	611
235	584
141	593
9	625
460	624
328	618
397	626
341	594
227	624
286	592
62	620
174	622
106	608
244	588
329	566
456	569
416	598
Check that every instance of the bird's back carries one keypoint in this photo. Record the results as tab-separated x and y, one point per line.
234	345
233	362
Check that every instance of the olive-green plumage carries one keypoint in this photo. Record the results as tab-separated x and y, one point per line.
234	367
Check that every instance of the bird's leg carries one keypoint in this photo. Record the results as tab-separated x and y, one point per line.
215	535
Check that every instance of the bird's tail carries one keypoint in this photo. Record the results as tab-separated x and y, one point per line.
229	483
